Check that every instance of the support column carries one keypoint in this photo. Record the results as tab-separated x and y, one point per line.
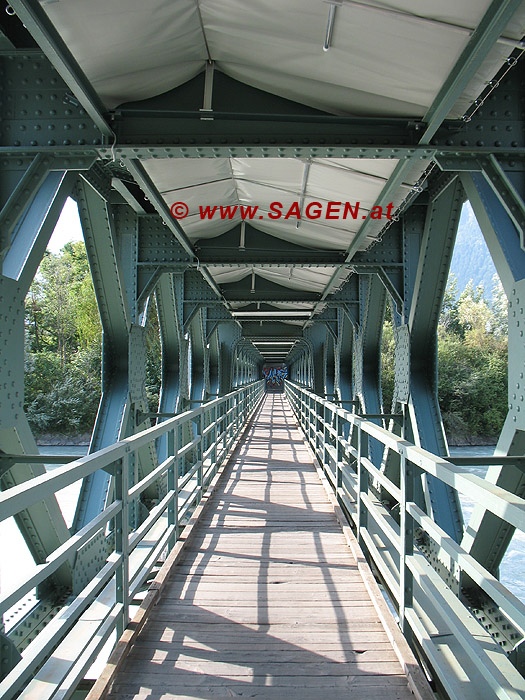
316	335
344	360
487	537
169	308
28	224
367	353
112	237
228	335
423	301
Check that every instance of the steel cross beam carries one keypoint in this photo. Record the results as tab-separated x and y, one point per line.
489	29
39	25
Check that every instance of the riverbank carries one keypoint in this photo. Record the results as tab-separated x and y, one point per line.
60	439
471	441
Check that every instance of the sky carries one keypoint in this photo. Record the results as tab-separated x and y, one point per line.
68	227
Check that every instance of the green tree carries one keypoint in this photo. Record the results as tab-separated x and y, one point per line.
449	319
500	309
63	338
388	347
472	362
153	357
472	356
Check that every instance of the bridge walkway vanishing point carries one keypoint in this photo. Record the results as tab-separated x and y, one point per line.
268	599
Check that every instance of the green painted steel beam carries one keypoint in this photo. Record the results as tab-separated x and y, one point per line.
99	235
35	226
254	247
488	536
424	301
276	329
33	16
143	179
145	182
490	28
29	183
42	524
319	146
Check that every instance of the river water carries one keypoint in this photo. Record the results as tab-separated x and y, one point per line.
13	548
512	570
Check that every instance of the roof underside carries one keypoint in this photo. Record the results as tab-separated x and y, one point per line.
384	61
387	59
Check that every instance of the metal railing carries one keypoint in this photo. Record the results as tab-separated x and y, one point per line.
431	613
197	443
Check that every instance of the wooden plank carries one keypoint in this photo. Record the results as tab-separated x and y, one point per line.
266	693
133	680
279	588
324	644
267	600
188	656
263	633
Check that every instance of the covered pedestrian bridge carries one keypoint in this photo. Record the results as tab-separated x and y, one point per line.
272	176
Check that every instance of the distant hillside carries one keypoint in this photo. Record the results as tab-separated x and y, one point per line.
471	259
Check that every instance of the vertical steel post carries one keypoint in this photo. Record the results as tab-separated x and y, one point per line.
215	439
362	482
406	525
198	455
326	436
122	541
173	486
338	454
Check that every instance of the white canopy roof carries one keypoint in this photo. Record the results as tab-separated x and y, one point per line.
258	181
387	58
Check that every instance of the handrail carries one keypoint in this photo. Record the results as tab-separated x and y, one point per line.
198	442
339	439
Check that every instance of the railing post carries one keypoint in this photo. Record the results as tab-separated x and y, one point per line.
122	541
224	426
362	482
309	410
316	425
133	508
198	455
310	421
338	454
326	436
179	442
173	485
215	439
406	525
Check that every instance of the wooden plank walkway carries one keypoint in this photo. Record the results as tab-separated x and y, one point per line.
267	600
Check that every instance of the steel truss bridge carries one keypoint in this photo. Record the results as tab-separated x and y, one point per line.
221	120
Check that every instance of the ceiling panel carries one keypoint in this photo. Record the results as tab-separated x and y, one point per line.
381	62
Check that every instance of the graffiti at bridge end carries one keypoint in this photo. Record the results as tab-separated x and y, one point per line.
275	377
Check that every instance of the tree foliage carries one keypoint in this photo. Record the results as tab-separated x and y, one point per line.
62	349
472	362
63	346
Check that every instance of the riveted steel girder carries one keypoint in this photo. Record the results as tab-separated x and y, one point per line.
441	219
258	248
487	537
31	217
